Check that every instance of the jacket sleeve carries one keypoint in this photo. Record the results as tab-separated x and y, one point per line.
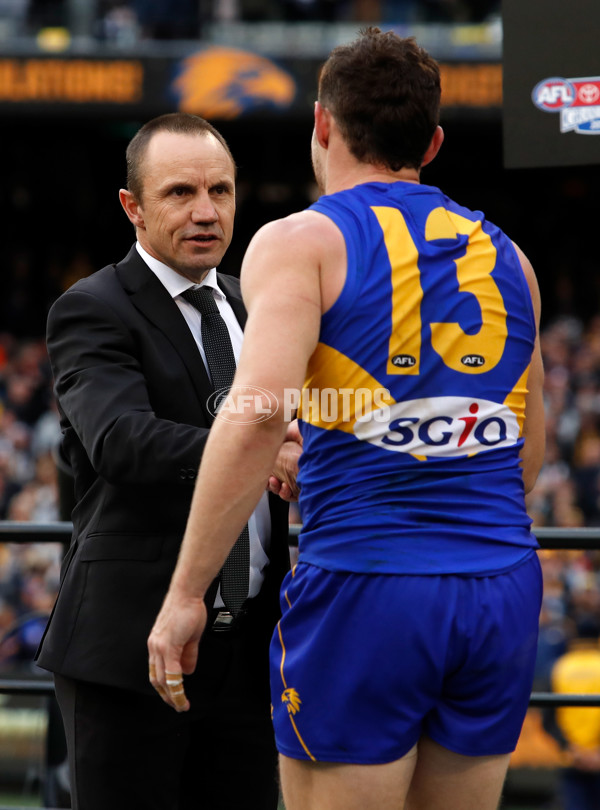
103	393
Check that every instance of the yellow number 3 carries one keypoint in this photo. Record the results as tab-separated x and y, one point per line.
468	354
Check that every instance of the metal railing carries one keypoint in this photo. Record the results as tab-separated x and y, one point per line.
60	532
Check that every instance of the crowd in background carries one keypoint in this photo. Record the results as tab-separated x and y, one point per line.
154	19
29	433
567	493
127	21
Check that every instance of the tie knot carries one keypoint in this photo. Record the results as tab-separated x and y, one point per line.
202	298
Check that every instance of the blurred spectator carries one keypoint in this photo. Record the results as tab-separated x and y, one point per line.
586	474
322	10
578	729
46	432
168	19
118	23
13	15
15	456
48	14
38	499
553	627
28	586
23	623
8	486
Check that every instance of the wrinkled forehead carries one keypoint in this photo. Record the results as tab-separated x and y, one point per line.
172	151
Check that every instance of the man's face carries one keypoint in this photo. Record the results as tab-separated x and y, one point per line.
185	217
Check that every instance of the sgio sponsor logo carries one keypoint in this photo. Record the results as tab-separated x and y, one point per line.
441	427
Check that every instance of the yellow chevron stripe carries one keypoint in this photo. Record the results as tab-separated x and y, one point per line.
516	399
330	369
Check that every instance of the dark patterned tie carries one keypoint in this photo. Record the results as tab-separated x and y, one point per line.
216	341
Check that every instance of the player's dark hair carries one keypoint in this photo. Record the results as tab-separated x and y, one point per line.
180	123
384	93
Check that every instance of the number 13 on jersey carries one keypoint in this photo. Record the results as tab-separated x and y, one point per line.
470	354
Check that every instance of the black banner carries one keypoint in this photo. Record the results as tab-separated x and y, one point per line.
551	61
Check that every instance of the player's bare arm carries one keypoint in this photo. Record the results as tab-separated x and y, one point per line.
534	431
281	284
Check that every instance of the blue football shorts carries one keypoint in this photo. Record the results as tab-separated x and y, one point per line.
363	665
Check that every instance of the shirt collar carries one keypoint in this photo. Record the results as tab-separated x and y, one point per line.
173	281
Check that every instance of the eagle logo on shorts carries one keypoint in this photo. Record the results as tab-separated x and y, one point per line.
291	698
226	82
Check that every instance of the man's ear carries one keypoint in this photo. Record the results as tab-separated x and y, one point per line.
322	125
131	207
434	146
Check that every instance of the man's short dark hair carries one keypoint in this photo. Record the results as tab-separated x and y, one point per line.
180	123
384	93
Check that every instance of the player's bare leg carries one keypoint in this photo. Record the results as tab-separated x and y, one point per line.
336	786
444	779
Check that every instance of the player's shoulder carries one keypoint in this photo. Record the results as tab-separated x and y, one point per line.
304	227
306	238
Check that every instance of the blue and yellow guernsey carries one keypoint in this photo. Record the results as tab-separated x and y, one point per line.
413	406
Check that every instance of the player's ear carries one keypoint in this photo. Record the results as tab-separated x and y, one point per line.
132	208
322	124
434	146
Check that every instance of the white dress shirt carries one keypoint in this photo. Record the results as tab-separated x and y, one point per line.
259	524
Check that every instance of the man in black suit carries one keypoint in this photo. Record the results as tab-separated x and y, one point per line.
128	356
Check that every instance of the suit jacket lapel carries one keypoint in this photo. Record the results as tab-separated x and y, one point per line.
150	297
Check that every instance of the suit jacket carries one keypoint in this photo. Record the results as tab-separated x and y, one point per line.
132	391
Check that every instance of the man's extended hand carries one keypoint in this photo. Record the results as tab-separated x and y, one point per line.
173	647
283	480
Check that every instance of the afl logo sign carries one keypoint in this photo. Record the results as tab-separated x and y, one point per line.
576	100
553	94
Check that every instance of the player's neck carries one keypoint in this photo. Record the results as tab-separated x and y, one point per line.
352	173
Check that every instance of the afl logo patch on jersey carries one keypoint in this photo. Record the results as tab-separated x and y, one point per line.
473	360
440	427
404	360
